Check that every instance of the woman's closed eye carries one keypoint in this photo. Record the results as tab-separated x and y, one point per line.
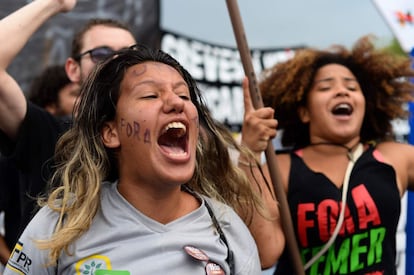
184	97
150	96
352	88
324	88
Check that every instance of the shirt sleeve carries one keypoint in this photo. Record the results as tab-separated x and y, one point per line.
248	261
36	139
240	240
26	257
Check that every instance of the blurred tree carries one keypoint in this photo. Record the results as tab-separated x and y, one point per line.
395	47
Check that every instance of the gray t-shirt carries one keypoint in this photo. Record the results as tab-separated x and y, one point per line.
122	240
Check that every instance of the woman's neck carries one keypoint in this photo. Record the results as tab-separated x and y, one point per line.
160	206
349	147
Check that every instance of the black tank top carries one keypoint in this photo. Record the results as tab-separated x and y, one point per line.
366	241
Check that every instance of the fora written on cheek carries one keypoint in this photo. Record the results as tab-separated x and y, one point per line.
133	130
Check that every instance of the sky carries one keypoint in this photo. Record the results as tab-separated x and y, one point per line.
277	23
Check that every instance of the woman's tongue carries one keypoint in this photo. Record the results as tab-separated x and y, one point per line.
173	141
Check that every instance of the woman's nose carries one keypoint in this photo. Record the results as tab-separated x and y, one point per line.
173	103
342	91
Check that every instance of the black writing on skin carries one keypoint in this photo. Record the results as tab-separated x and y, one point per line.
133	129
147	136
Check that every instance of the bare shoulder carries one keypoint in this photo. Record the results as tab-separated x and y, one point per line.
396	151
401	157
284	161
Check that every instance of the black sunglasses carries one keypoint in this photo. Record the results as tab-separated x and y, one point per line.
101	53
97	54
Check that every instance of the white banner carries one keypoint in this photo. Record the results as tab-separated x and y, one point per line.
399	16
219	72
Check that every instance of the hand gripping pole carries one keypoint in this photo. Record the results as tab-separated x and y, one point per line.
245	56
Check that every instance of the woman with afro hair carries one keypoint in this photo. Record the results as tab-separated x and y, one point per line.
344	174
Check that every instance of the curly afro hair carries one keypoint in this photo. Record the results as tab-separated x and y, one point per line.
384	79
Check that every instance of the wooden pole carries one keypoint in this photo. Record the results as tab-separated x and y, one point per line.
257	101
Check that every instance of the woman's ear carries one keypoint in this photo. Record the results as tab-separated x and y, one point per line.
303	114
110	136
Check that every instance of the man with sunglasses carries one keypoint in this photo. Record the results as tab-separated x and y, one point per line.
28	134
97	40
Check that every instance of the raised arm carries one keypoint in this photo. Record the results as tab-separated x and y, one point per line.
259	127
15	31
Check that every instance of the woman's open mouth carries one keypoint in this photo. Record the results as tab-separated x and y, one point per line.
173	139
